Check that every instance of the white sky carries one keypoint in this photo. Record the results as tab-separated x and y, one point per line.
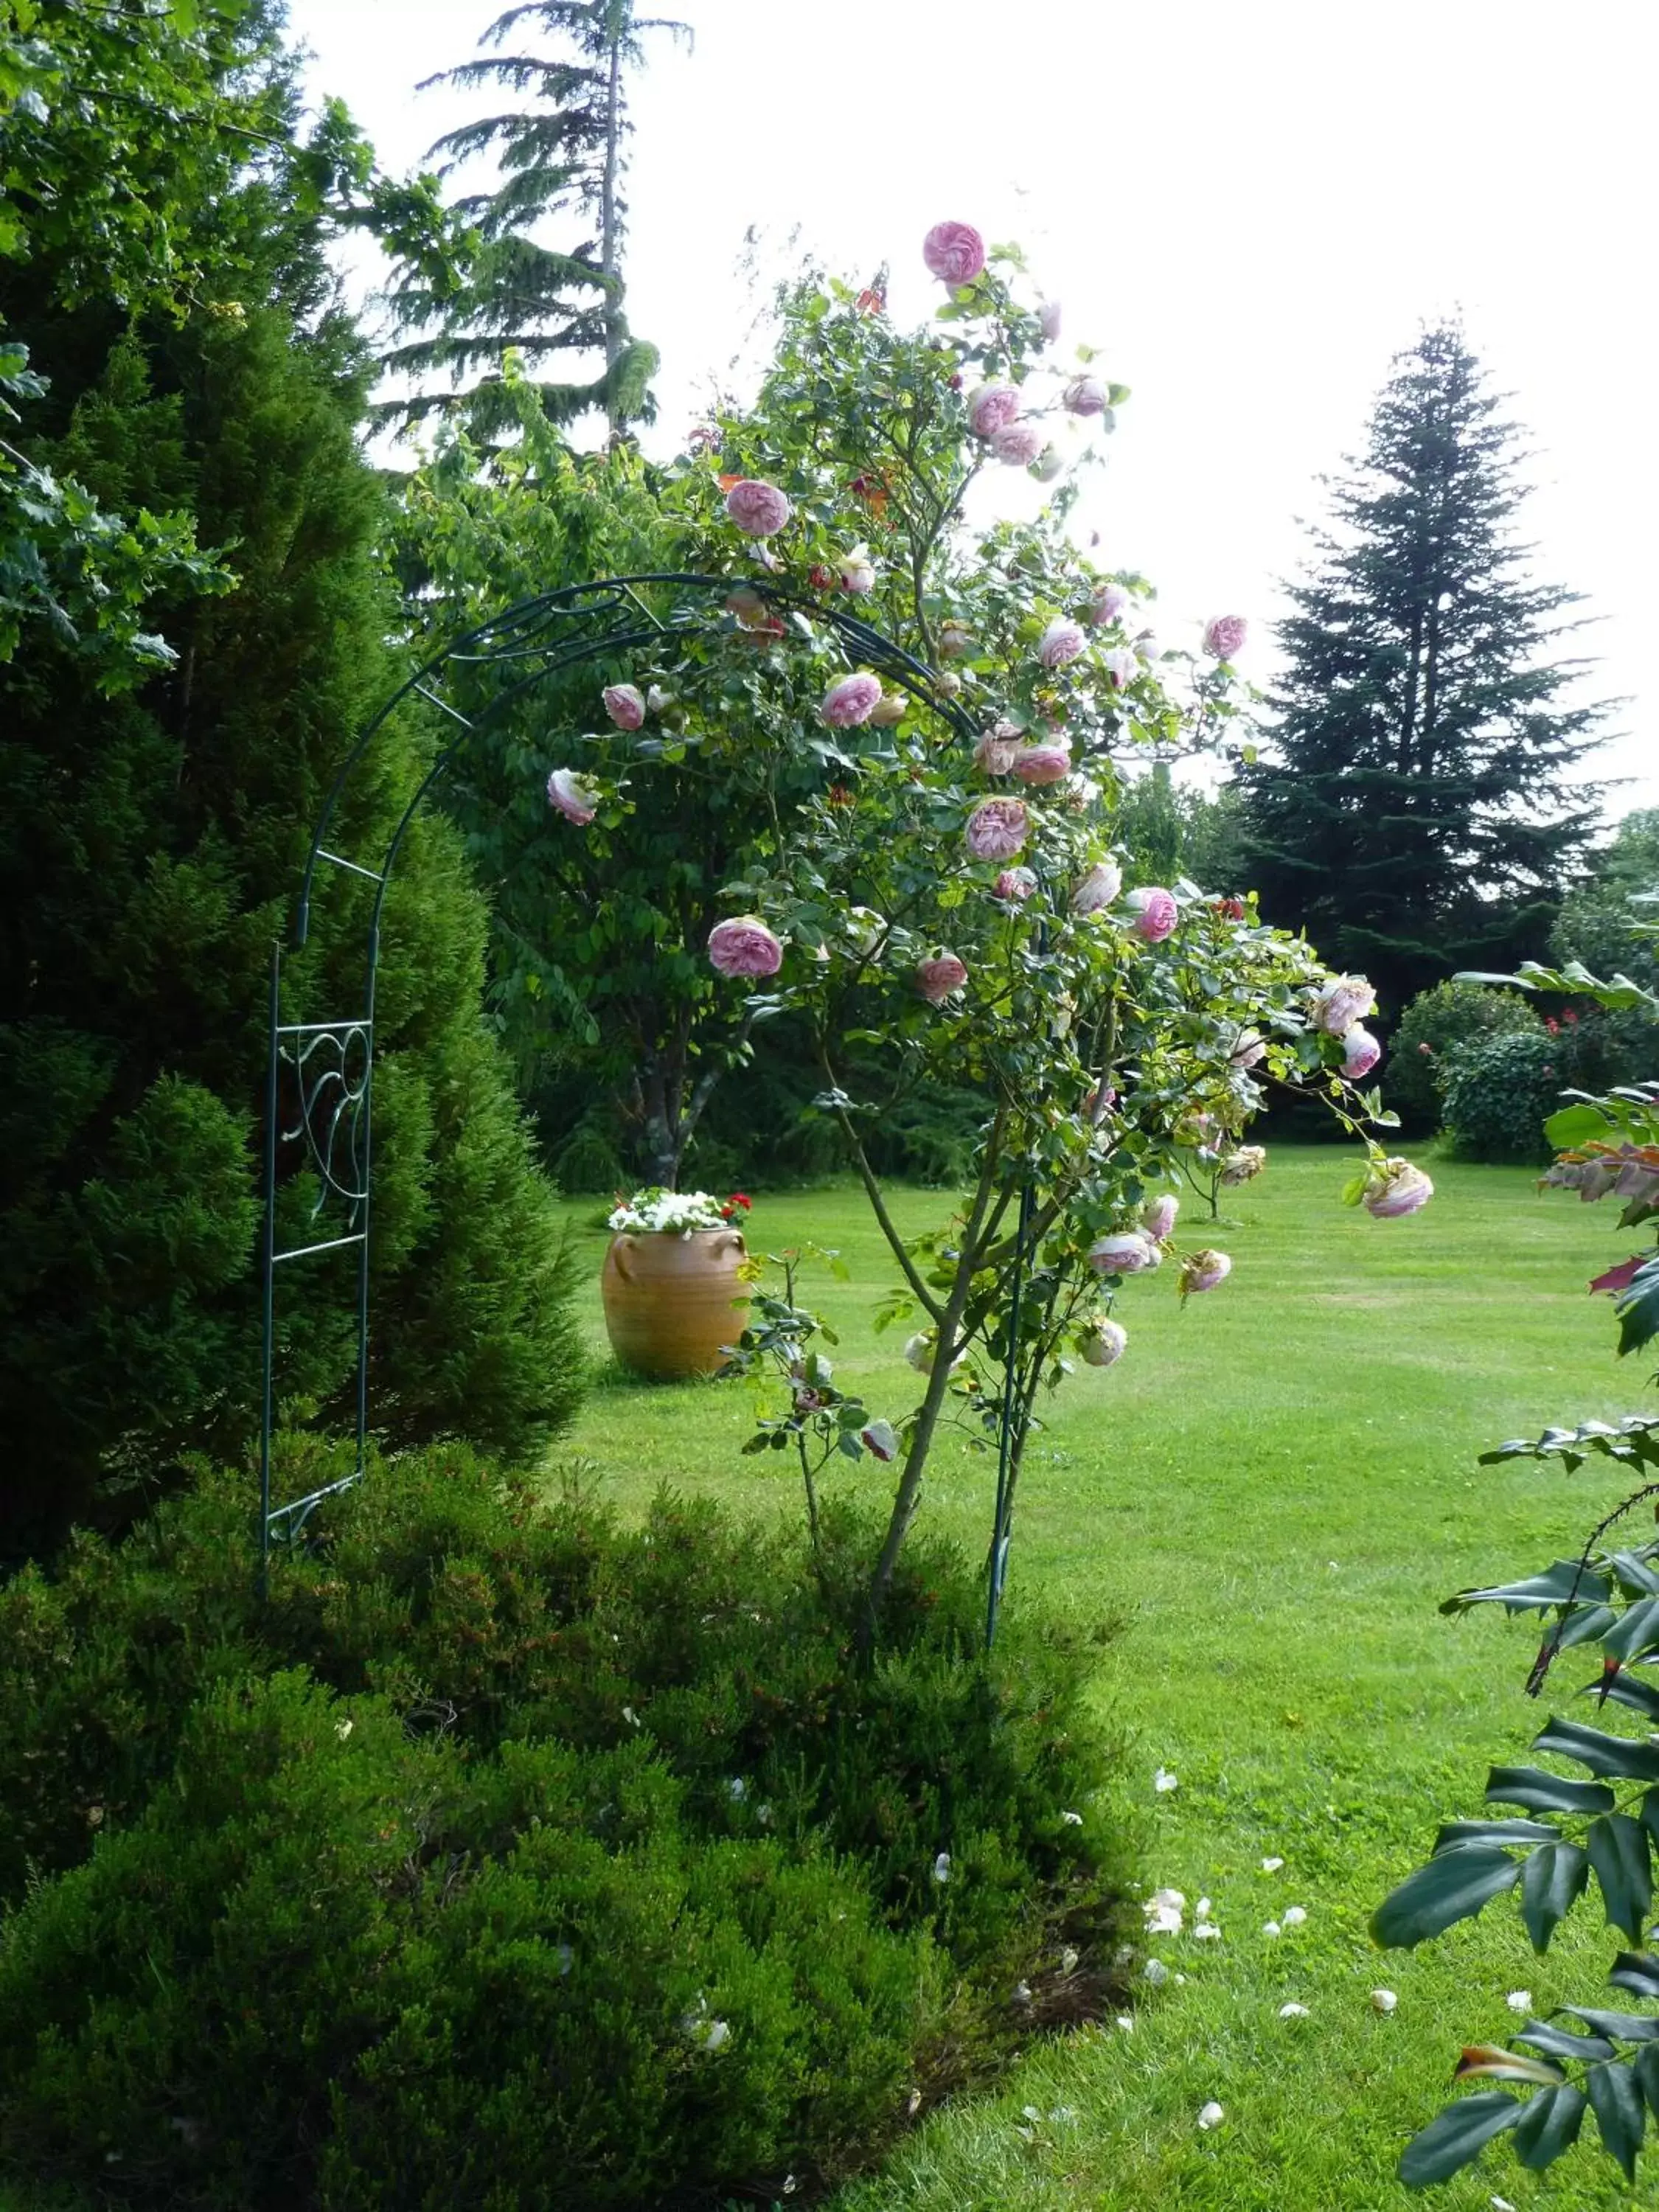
1248	204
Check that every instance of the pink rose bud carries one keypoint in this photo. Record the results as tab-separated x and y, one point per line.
1015	884
889	708
1050	463
1125	1252
573	795
1097	887
1345	1000
1158	1218
1045	763
857	571
1225	635
1243	1165
1203	1271
1156	914
991	408
1123	664
1360	1053
850	700
1048	319
997	829
954	252
1061	641
624	704
939	976
1086	395
1248	1052
758	509
1101	1100
1395	1189
1018	444
1103	1343
1109	601
744	946
880	1440
998	750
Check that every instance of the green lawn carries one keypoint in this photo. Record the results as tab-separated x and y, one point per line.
1269	1494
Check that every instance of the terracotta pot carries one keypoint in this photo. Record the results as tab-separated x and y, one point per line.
672	1302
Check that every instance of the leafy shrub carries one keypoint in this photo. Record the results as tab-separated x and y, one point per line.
510	1856
1499	1094
1435	1023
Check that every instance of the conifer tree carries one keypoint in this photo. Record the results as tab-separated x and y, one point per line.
1420	812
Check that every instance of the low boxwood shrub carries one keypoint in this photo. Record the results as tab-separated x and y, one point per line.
510	1855
1497	1094
1436	1023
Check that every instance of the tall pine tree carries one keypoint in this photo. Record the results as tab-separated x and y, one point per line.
1420	813
563	155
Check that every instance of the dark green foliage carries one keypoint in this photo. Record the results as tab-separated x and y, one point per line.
1609	925
1438	1021
513	1858
1495	1094
1419	814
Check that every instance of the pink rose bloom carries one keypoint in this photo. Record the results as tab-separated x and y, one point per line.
1156	914
1121	664
850	700
1101	1100
954	252
1097	887
1048	319
1248	1051
757	507
937	977
1202	1271
1103	1343
1014	884
624	704
1225	635
1396	1189
1108	603
992	408
1125	1253
1158	1219
572	796
1061	641
1018	444
1360	1053
1345	1000
1243	1165
889	708
998	750
744	946
1086	395
858	572
879	1439
1046	763
997	829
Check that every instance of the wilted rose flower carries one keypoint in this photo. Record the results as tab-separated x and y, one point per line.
1101	1100
997	829
991	408
1045	763
851	699
1360	1053
572	796
919	1351
1018	444
1103	1343
954	252
1061	641
954	639
1156	913
657	701
889	708
948	683
1050	463
1086	395
1395	1189
998	750
879	1439
1125	1252
1248	1051
1242	1164
1015	884
758	509
1345	1000
1157	1216
1097	887
1121	664
744	946
624	704
857	570
1109	601
1048	319
1202	1271
939	976
1225	636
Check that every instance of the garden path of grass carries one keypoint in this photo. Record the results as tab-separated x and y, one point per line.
1271	1494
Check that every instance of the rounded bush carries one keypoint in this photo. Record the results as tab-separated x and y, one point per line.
1497	1094
1435	1025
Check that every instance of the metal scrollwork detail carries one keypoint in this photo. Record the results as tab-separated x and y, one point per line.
331	1065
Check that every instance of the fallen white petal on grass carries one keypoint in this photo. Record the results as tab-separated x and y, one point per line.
942	1867
1201	1910
1175	1897
1212	2116
1293	2012
1294	1917
1272	1928
1271	1866
1156	1973
1126	2021
1163	1781
1502	2204
1163	1920
1068	1959
1073	1819
1519	2000
1384	2001
1207	1932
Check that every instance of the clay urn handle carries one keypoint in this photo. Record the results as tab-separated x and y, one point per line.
729	1240
619	1251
